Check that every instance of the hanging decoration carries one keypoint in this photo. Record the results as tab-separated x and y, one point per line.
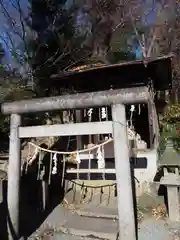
82	192
76	156
101	194
132	109
73	154
78	159
103	113
139	108
63	170
54	170
67	156
40	166
89	113
101	160
50	169
31	159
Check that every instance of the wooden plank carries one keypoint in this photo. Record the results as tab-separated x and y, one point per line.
78	120
66	129
109	154
91	170
97	215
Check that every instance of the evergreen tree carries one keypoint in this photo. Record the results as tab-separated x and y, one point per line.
54	46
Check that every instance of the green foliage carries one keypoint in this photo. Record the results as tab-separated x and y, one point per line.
171	114
170	125
19	94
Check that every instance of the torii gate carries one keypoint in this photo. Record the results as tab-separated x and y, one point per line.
114	98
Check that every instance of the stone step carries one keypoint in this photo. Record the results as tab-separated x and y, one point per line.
88	234
68	222
99	228
72	234
97	214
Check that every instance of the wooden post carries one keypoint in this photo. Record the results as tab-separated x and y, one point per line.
3	176
123	174
14	178
45	191
78	120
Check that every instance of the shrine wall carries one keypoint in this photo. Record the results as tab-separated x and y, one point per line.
144	168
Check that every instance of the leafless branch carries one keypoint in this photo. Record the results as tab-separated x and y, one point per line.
10	19
21	18
154	37
138	36
127	13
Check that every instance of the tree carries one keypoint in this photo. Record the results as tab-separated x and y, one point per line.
51	23
15	34
2	53
55	36
110	28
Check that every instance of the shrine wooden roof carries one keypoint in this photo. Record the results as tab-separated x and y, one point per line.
127	74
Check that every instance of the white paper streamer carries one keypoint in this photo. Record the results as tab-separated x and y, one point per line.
100	157
90	111
54	171
78	159
103	113
34	156
132	109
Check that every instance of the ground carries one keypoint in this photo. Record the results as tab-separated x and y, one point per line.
148	229
68	222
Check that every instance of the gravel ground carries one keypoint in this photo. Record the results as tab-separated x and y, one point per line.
158	229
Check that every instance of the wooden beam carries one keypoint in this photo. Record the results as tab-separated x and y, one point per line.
92	156
78	101
66	129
